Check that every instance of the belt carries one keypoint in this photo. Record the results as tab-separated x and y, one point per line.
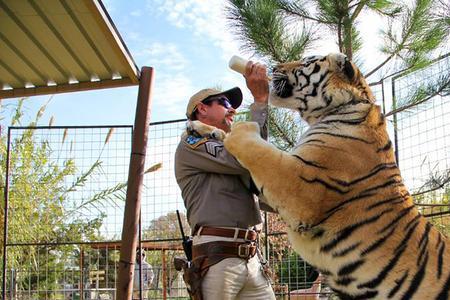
246	234
226	249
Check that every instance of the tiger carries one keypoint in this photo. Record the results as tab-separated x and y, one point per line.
340	191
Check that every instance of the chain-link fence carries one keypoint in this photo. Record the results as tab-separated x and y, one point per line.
65	192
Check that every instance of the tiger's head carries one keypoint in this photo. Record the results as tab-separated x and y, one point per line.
317	85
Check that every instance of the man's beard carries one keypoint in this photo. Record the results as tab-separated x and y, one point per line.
226	124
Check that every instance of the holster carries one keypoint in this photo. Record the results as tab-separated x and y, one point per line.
192	276
206	255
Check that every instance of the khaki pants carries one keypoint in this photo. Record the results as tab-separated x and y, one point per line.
235	278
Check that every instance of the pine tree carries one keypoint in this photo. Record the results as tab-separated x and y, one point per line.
282	30
414	33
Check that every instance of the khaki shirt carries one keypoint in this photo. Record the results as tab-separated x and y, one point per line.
214	186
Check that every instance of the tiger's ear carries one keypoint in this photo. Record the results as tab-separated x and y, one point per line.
344	65
349	70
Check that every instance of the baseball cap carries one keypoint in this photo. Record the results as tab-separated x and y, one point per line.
234	95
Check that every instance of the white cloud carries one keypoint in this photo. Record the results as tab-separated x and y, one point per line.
172	83
136	13
163	56
204	18
133	35
170	92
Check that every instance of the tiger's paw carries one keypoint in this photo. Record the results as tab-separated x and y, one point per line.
241	132
245	128
205	130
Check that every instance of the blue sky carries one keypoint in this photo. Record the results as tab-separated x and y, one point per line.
188	44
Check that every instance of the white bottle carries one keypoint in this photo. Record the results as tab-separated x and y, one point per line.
238	64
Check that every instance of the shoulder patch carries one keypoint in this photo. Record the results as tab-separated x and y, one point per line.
194	141
213	147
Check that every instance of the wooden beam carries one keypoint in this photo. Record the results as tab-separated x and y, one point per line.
66	88
134	188
147	246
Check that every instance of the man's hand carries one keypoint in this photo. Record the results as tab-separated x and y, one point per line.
257	81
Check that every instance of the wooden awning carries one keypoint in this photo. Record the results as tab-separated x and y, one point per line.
57	46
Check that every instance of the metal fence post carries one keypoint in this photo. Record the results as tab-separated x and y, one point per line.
5	216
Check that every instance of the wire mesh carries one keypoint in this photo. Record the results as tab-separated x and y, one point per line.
423	143
161	195
67	184
67	192
88	271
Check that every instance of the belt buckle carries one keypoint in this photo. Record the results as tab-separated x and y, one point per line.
244	251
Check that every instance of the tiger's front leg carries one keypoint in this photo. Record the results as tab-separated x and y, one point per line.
246	144
205	130
275	172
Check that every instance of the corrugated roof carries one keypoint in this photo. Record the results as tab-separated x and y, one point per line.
56	46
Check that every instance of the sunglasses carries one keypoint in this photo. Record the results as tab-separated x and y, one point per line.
221	100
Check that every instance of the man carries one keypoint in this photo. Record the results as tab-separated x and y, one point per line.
146	278
221	208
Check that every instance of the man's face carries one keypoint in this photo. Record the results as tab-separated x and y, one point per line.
217	111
